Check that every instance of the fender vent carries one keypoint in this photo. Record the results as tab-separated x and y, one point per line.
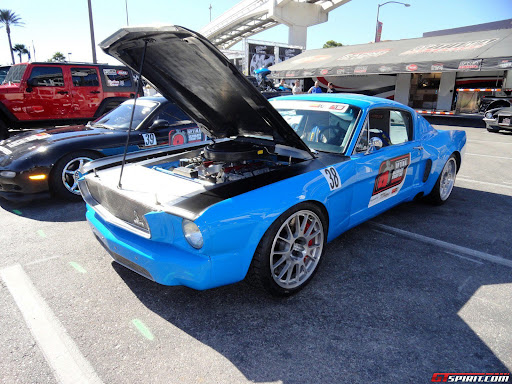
428	167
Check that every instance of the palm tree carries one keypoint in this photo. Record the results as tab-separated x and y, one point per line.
9	19
20	49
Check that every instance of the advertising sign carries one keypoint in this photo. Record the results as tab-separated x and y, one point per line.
260	56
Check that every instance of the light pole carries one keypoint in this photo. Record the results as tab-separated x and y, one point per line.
126	4
377	37
91	27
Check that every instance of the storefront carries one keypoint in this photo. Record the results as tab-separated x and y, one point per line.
424	73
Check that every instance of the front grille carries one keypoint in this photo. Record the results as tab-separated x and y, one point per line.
131	265
120	206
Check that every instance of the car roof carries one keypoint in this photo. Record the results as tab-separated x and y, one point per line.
361	101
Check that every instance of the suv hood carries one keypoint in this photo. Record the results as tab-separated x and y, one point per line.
188	69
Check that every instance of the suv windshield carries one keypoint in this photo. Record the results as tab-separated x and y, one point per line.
119	118
323	126
15	74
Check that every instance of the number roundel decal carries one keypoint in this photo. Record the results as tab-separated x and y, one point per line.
332	177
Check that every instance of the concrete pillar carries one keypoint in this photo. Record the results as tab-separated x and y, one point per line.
402	88
297	35
445	93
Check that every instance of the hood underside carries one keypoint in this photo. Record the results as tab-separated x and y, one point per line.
187	68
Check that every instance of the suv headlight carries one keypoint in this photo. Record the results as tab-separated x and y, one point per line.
192	233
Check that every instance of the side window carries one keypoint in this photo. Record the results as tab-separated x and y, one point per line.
84	77
46	77
400	128
362	142
172	114
117	77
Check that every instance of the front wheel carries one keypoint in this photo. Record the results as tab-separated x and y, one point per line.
290	252
444	185
63	180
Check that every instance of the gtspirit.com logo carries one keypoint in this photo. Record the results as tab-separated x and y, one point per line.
471	377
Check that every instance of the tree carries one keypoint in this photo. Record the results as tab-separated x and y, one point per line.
8	19
332	44
20	49
58	57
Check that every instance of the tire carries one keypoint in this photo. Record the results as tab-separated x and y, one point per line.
4	131
445	182
493	130
62	180
287	257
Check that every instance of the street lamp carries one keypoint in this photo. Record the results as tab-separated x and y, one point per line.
377	37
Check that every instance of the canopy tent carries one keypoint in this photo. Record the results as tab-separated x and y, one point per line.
475	51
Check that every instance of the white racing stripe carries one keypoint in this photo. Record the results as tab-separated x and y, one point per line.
68	364
443	244
483	182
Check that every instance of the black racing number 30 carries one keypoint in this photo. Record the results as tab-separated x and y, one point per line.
332	177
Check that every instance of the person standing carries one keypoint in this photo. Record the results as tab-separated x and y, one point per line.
330	88
297	89
316	88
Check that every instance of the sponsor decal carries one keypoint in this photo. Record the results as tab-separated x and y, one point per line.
307	105
113	83
471	377
324	71
122	72
339	107
436	67
363	55
340	71
412	67
385	68
291	74
390	179
313	59
332	177
361	69
449	47
308	73
109	71
505	64
470	65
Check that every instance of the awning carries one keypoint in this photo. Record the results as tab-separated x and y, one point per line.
475	51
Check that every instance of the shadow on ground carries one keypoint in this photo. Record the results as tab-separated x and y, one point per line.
380	309
54	210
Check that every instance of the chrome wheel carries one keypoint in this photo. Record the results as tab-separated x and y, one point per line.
447	179
70	174
296	249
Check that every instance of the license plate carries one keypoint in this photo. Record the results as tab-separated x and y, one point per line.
505	121
194	134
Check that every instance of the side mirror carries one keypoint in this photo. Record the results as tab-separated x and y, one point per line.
157	124
30	84
375	144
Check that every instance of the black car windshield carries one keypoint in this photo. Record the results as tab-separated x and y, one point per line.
15	74
119	118
323	126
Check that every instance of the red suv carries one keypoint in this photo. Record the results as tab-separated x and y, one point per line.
47	94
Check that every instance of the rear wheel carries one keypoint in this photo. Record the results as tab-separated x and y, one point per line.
63	181
290	252
444	185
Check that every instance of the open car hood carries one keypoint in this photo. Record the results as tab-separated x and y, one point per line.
187	68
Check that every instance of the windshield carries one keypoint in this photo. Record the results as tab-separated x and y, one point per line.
15	74
323	126
119	118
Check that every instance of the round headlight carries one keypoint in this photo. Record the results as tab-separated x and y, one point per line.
488	115
192	233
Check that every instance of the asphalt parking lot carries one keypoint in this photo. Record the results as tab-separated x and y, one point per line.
418	290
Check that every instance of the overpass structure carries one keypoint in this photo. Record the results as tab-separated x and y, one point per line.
253	16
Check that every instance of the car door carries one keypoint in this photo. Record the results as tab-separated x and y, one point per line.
389	175
47	94
86	92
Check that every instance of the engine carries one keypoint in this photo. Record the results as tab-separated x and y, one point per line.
228	161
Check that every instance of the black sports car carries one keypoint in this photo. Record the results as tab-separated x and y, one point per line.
42	162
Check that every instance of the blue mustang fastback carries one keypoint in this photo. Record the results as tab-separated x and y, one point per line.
278	179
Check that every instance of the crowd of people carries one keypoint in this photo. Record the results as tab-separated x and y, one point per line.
297	88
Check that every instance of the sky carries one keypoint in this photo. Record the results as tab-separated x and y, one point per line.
63	25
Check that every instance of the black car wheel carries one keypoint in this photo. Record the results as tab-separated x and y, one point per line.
290	252
63	180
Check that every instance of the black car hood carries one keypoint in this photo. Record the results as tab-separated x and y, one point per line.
188	69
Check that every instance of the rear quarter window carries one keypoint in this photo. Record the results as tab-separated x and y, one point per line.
117	77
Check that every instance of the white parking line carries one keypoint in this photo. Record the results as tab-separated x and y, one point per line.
42	260
68	364
488	141
494	157
484	182
443	244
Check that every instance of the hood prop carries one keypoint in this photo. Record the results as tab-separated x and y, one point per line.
139	81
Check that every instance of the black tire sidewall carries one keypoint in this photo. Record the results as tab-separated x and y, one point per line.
260	268
56	185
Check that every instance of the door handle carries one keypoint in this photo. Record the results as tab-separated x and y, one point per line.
95	91
419	148
63	92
